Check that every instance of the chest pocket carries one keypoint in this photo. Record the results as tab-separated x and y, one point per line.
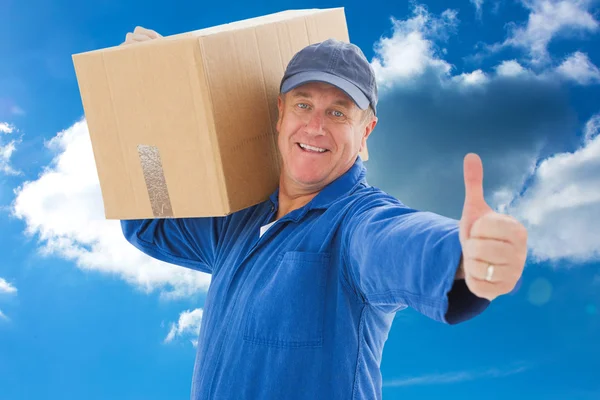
289	308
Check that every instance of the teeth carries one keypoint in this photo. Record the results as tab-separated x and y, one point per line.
307	147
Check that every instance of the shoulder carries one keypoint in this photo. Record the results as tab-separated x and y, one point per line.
370	198
367	204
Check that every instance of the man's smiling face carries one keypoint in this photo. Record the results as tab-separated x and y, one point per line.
320	133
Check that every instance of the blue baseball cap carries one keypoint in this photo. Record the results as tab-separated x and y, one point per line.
338	63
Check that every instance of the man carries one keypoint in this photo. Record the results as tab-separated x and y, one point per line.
305	285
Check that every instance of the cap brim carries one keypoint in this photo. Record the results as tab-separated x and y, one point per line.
318	76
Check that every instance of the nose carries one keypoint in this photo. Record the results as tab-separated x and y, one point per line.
315	123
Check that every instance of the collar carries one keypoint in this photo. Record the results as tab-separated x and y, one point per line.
330	193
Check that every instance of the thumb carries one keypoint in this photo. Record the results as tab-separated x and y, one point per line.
475	205
473	173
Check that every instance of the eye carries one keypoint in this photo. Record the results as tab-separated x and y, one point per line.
302	105
337	114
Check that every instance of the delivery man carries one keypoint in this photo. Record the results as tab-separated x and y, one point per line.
305	285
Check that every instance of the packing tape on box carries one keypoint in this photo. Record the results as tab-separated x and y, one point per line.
156	184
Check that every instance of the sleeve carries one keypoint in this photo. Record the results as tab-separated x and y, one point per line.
187	242
398	257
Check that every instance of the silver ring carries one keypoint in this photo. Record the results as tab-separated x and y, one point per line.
490	273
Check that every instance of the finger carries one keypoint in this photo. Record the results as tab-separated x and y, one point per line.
478	270
493	289
490	251
500	227
152	34
482	289
473	174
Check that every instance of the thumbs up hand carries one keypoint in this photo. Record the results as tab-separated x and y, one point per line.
494	245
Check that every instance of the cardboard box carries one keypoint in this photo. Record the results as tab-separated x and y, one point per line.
184	126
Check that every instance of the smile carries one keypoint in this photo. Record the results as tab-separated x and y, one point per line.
312	149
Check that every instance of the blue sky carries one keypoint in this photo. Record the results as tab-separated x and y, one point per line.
84	315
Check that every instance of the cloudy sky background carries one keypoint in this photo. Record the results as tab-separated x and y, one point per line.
84	314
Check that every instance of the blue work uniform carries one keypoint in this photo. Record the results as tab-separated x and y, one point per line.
302	310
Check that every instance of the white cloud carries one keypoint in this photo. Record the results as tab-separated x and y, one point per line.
6	287
411	51
188	325
561	205
592	129
5	127
453	377
7	150
579	68
510	68
549	19
476	77
478	7
63	207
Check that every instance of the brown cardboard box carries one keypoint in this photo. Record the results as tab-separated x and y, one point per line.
184	126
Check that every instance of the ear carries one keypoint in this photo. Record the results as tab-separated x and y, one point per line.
280	107
368	128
